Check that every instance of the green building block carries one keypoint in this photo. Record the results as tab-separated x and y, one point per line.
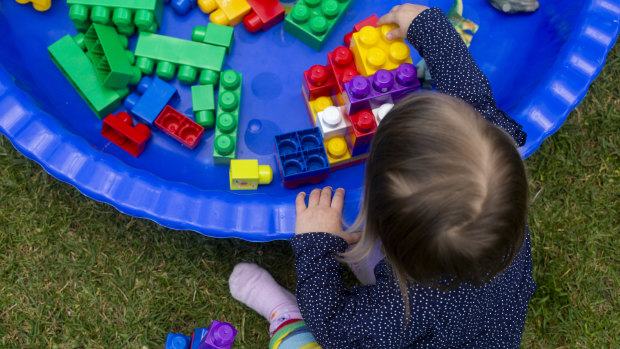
124	14
312	21
113	64
214	34
227	121
79	70
203	103
169	52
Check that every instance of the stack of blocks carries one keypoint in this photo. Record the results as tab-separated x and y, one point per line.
348	97
227	124
219	335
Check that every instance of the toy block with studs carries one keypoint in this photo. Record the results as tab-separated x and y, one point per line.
214	34
197	337
265	14
316	106
179	127
70	58
194	59
149	100
112	62
366	93
373	51
313	21
177	341
227	120
181	7
125	15
248	174
301	157
363	129
381	111
225	12
370	21
220	335
119	130
39	5
339	154
318	81
203	103
333	122
341	63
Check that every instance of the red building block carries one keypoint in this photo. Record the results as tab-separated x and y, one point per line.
265	14
318	81
179	127
364	128
341	62
370	21
119	130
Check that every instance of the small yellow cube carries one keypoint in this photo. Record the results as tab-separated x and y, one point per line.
248	174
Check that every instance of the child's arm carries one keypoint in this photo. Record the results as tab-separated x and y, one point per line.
452	67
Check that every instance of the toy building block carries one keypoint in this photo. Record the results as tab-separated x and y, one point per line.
373	51
152	96
177	341
341	63
214	34
316	106
366	93
78	69
333	122
179	127
220	335
312	21
248	174
124	14
362	130
39	5
265	14
381	111
181	7
370	21
119	130
318	81
203	103
301	157
197	337
339	154
225	12
113	63
190	56
227	121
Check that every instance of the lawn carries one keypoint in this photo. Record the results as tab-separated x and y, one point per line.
75	273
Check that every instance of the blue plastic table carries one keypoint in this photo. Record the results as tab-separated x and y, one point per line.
539	65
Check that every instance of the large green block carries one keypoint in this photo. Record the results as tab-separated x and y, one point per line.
113	64
203	104
124	14
313	21
214	34
227	121
168	53
79	70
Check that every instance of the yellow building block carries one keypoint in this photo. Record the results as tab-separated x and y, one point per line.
225	12
318	105
337	151
39	5
373	51
248	174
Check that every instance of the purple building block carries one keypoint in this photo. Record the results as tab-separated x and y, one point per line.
385	86
220	335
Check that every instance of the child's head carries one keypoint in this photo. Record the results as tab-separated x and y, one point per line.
445	191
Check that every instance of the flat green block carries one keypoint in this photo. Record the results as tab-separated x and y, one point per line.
168	53
227	121
124	14
313	21
113	64
203	103
78	69
214	34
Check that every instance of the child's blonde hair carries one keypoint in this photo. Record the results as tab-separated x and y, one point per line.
445	192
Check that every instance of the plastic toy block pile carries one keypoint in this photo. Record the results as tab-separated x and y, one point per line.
346	99
219	335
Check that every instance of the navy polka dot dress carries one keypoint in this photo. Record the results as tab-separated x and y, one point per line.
488	316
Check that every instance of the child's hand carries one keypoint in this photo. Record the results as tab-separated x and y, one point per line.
401	15
323	214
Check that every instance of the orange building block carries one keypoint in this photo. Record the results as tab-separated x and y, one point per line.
225	12
373	51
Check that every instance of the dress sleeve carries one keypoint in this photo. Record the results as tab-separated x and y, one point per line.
454	70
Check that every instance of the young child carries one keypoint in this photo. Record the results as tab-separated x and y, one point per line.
445	195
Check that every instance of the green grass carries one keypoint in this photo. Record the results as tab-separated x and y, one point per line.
75	273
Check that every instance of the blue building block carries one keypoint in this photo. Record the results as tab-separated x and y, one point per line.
301	157
198	336
152	96
181	7
177	341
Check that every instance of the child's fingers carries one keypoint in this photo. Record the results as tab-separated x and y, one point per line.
326	197
394	34
300	202
338	200
314	198
387	18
